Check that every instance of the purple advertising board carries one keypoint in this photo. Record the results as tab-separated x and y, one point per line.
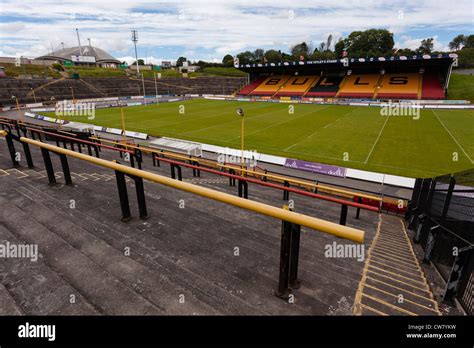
316	167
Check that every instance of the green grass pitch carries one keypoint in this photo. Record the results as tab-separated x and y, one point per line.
439	142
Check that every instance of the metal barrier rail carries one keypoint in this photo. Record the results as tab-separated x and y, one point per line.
278	213
244	191
274	177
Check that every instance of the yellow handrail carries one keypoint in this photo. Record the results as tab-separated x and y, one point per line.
3	133
278	213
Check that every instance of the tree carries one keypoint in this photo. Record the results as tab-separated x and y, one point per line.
228	60
339	48
245	57
286	57
181	60
272	56
299	50
457	43
325	55
258	55
466	58
426	46
405	52
140	62
368	43
469	42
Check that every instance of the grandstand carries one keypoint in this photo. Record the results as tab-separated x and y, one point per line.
417	77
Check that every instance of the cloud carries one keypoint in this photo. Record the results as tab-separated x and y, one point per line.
212	28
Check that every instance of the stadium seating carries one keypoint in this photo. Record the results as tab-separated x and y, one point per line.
359	86
45	89
296	86
270	86
432	88
250	87
399	86
325	86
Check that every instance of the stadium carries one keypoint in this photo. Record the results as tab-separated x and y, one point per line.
314	187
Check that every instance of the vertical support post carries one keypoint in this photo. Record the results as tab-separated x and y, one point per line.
29	159
96	150
283	290
449	194
11	149
231	179
49	166
154	159
243	189
432	233
460	264
132	160
123	196
286	194
342	220
173	175
72	146
79	147
294	256
89	149
66	171
359	200
180	177
141	198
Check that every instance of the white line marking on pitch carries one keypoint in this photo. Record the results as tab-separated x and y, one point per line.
455	140
376	140
318	130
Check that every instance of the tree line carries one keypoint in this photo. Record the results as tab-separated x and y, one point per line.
368	43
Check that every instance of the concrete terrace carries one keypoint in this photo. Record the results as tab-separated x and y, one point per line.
180	261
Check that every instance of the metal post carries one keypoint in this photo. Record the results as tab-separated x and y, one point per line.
89	149
449	194
342	220
359	200
243	189
141	197
173	175
180	177
284	276
11	149
49	166
430	243
29	159
123	196
294	256
460	263
66	171
286	194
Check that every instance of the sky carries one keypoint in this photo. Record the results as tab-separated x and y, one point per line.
207	30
